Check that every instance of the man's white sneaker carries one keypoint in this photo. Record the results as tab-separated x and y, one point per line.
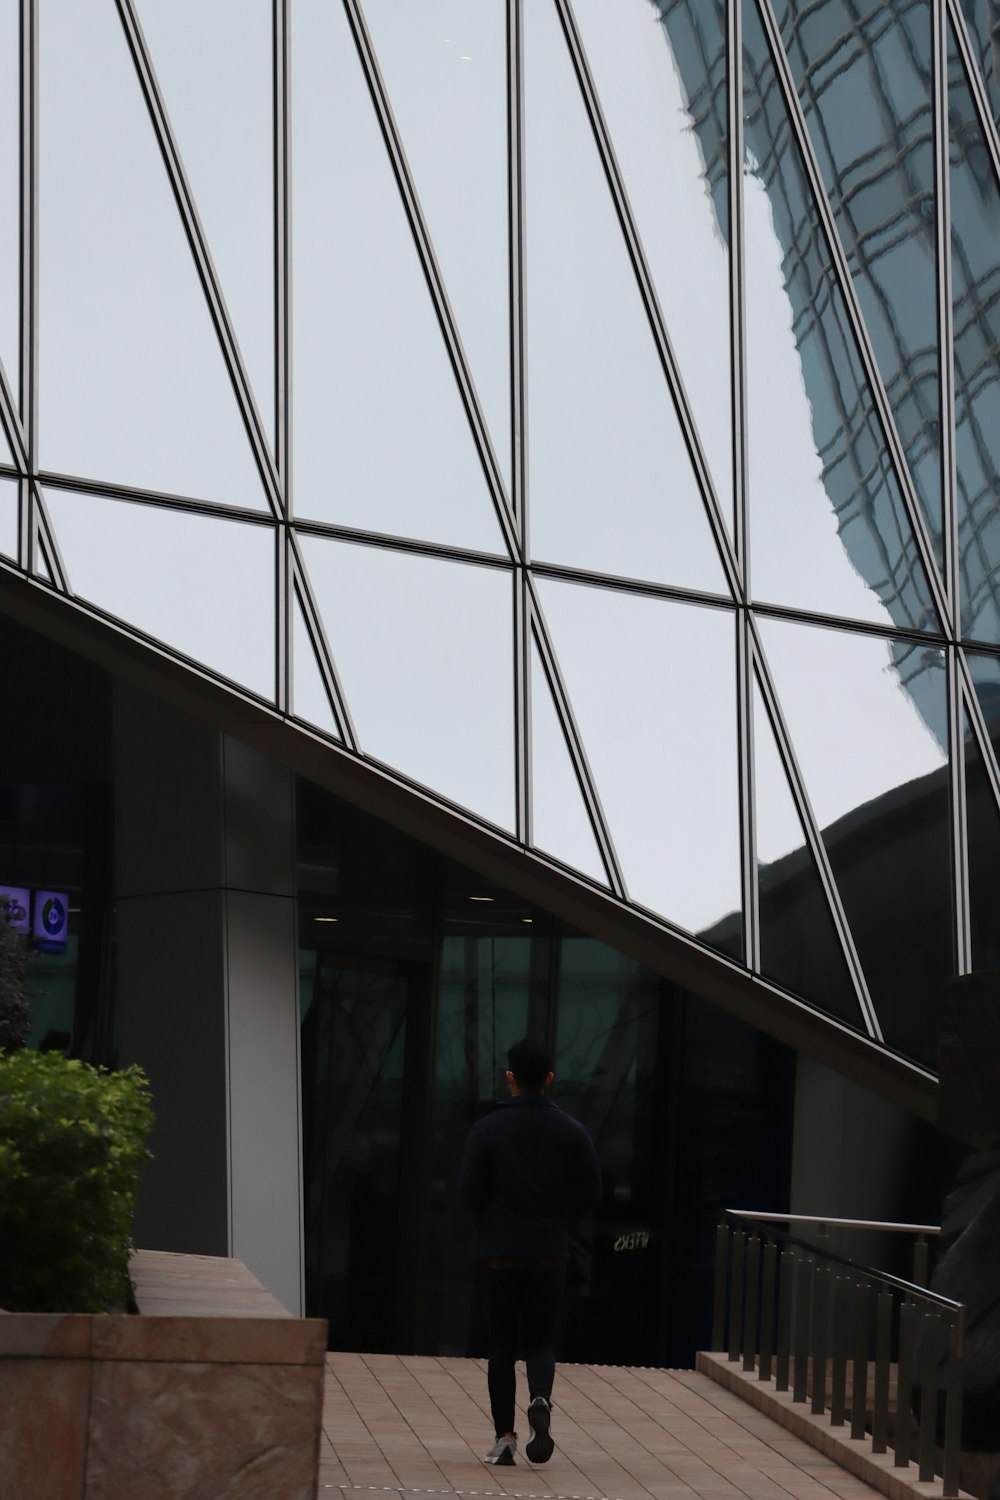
539	1449
503	1450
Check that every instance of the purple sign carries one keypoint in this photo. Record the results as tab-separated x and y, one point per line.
51	921
15	903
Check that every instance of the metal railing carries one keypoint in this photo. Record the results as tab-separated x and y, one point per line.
807	1318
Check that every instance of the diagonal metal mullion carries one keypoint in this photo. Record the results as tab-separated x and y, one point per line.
11	422
973	78
301	587
432	273
44	535
574	743
647	291
814	836
204	265
845	282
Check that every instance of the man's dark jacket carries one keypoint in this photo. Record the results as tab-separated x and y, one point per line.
530	1172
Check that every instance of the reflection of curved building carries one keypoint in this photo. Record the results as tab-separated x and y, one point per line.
511	576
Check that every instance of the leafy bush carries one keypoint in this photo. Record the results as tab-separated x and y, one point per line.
72	1143
15	1019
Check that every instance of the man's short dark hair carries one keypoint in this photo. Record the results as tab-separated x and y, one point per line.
530	1063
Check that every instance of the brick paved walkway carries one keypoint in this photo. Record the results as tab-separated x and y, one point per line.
413	1425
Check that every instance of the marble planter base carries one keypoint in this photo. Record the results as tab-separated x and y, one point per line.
212	1390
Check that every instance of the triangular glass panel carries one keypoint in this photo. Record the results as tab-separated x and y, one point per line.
612	487
863	72
201	585
821	482
663	758
662	90
424	651
381	438
310	699
867	722
42	569
560	823
9	519
983	825
445	68
799	946
133	385
982	19
975	277
10	192
219	96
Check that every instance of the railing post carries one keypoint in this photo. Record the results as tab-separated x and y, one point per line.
752	1302
859	1381
953	1409
908	1321
803	1307
784	1318
931	1334
736	1293
721	1268
820	1324
767	1308
838	1381
880	1402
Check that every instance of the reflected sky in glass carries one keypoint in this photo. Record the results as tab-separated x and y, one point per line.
863	73
10	189
132	384
425	651
821	483
380	441
8	518
611	487
662	90
444	63
975	282
218	93
203	585
559	818
652	686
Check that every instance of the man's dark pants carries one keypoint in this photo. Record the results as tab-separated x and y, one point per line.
522	1305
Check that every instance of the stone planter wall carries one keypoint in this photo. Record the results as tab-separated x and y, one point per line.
212	1390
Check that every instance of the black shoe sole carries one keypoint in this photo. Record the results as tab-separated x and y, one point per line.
541	1446
505	1461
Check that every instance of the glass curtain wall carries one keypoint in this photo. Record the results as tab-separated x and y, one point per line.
415	978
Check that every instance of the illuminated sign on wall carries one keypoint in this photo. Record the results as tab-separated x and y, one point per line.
51	922
15	904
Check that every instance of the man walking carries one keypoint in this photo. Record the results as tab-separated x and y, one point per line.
530	1173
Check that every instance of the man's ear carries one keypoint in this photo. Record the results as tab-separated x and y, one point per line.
548	1081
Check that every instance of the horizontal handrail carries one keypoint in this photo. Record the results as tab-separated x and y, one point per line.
801	1309
825	1219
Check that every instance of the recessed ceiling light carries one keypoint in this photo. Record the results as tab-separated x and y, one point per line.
529	920
482	898
326	919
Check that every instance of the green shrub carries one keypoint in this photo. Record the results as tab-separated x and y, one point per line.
72	1143
15	1017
